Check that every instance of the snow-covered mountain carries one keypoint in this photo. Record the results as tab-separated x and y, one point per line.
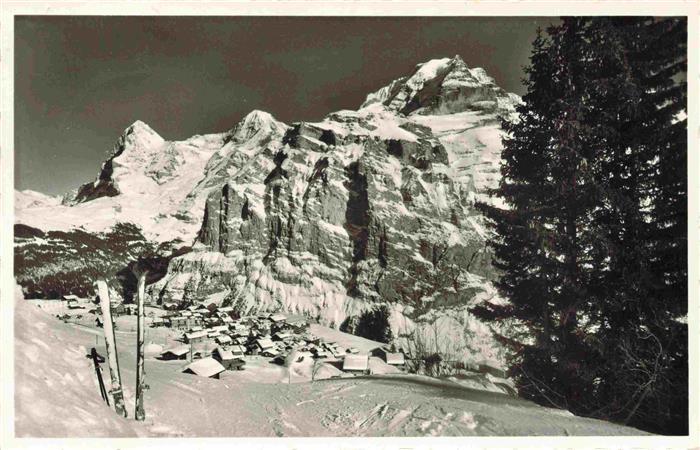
32	199
148	181
369	208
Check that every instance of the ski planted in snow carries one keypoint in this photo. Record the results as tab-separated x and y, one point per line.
111	345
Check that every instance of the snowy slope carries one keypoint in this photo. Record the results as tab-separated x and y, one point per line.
33	199
56	390
57	396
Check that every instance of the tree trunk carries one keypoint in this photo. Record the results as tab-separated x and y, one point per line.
111	346
140	414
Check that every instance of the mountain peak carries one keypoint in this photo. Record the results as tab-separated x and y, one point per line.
138	136
139	124
140	127
443	86
258	116
255	122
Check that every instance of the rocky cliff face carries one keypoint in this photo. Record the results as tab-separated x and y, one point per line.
364	210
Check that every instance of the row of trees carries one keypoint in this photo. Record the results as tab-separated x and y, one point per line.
593	244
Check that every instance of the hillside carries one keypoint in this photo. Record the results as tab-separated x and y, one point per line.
62	398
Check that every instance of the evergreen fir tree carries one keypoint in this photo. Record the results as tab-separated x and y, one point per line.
647	378
592	244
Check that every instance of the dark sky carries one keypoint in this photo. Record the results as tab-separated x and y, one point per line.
79	81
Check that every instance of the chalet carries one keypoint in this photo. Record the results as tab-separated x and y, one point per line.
270	353
224	340
194	321
395	359
329	345
240	329
357	364
237	350
281	336
213	333
224	357
196	328
337	352
319	353
186	313
298	326
175	353
276	318
73	304
157	322
178	322
205	367
195	336
170	306
264	344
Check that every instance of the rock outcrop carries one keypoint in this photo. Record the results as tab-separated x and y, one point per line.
366	209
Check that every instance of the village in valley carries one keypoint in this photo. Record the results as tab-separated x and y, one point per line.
213	341
216	339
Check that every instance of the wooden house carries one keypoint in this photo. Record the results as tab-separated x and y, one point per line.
175	353
237	350
227	359
264	344
223	339
357	364
396	359
73	304
276	318
205	367
178	322
195	336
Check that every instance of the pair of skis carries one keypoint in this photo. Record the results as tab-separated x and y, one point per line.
111	346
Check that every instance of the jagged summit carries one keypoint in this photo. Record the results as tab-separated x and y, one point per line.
444	86
139	125
138	135
254	123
